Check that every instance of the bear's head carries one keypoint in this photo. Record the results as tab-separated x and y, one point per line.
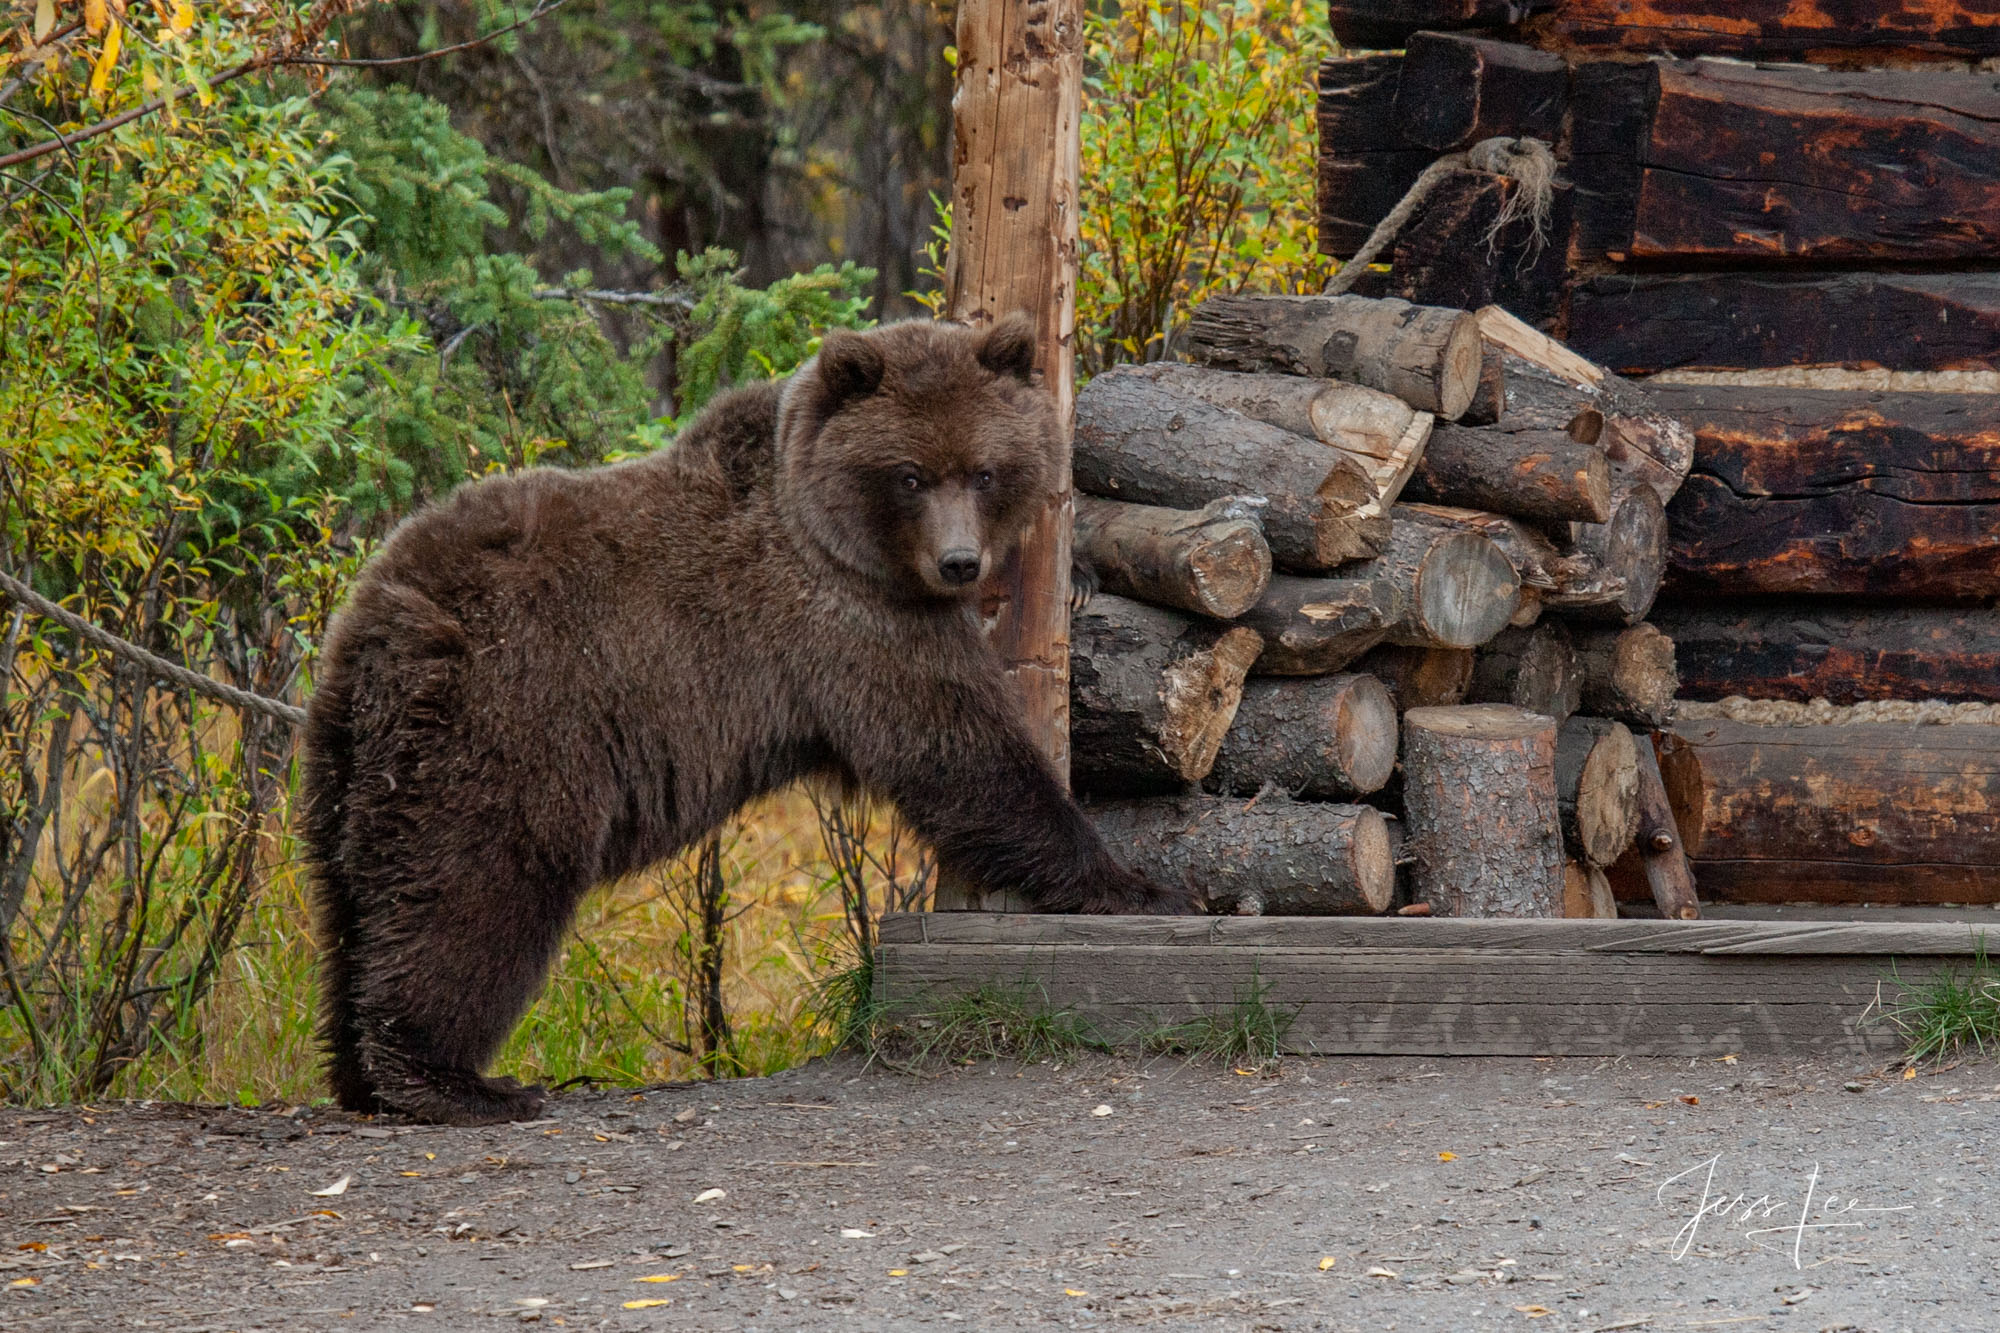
916	453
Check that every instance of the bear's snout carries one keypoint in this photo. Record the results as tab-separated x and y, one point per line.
959	566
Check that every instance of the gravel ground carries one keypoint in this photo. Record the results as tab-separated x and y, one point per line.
1363	1194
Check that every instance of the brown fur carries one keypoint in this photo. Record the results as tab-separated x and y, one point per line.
556	678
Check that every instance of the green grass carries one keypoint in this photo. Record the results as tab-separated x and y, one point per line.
989	1022
1955	1010
1250	1032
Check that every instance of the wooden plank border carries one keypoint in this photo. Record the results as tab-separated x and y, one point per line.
1395	986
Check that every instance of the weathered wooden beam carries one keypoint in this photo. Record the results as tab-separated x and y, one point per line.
1365	164
1705	159
1849	32
1818	491
1479	796
1845	653
1272	857
1458	89
1380	24
1641	323
1152	693
1427	356
1319	737
1212	561
1455	251
1139	440
1868	812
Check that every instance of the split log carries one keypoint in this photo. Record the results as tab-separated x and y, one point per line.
1643	322
1634	543
1381	433
1425	355
1137	440
1271	857
1868	812
1321	737
1539	474
1458	589
1311	627
1658	858
1870	31
1550	387
1718	160
1383	24
1587	893
1420	677
1152	693
1628	674
1457	90
1846	654
1820	491
1597	788
1456	251
1479	793
1212	561
1533	669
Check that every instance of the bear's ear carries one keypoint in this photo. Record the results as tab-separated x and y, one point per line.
1009	347
850	366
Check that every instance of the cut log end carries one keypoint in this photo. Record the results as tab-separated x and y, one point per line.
1597	788
1466	593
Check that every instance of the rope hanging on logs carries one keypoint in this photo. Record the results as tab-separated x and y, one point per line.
1529	163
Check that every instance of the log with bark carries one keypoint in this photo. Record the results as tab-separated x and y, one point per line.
1458	89
1837	651
1458	589
1463	247
1489	400
1272	856
1152	693
1382	434
1597	788
1823	491
1635	544
1311	627
1656	865
1382	24
1322	737
1852	32
1628	674
1707	159
1212	561
1534	669
1420	677
1587	892
1557	578
1426	355
1139	441
1537	474
1641	323
1867	812
1479	796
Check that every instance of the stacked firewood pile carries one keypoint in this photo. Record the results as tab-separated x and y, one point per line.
1783	218
1348	529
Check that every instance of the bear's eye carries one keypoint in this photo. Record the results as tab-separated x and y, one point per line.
984	481
912	482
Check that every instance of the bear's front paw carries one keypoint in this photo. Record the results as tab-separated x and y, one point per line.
1133	896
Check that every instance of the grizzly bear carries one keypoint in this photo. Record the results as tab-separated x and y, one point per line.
558	677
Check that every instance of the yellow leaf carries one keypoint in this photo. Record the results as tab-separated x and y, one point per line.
107	61
1447	1157
1072	1291
45	19
24	1282
1533	1311
183	18
1326	1263
1910	1073
659	1277
899	1272
93	16
645	1305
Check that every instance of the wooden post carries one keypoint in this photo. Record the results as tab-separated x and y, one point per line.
1013	247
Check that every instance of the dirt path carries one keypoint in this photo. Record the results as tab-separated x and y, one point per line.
1110	1193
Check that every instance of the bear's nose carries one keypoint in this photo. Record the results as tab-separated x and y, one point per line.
959	566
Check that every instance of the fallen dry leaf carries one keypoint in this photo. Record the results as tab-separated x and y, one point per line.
1100	1110
711	1196
1326	1263
1379	1271
659	1277
1072	1291
856	1233
646	1305
899	1272
24	1282
1910	1073
1692	1101
336	1188
1533	1311
1447	1157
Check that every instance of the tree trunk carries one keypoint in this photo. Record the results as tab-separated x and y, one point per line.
1535	669
1538	474
1381	433
1864	812
1152	694
1311	627
1587	892
1479	793
1641	323
1420	677
1628	674
1212	561
1712	160
1138	440
1820	491
1658	857
1271	857
1322	737
1425	355
1804	651
1634	544
1597	788
1458	589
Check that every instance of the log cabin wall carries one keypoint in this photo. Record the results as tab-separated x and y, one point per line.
1786	219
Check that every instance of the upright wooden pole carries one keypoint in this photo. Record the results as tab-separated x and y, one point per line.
1013	247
